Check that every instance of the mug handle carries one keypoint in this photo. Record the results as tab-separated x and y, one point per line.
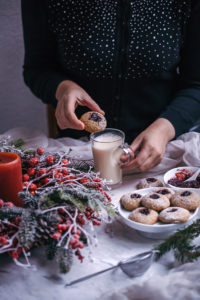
128	151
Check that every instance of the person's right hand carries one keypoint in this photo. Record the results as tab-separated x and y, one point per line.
69	96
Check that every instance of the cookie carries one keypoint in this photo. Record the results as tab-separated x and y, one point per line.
166	192
149	182
186	199
155	201
144	215
174	215
131	201
93	121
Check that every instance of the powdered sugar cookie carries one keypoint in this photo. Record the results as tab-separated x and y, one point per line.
93	121
149	182
155	201
131	201
174	215
187	199
144	215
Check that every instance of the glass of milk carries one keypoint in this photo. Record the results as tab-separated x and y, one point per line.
107	148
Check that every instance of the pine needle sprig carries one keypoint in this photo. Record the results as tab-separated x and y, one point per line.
64	258
182	244
27	229
10	212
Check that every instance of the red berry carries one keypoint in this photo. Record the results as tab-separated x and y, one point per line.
180	176
80	257
3	240
65	172
65	161
80	245
97	180
78	232
84	180
1	202
50	159
82	221
9	204
56	235
76	237
31	171
26	177
42	171
14	254
32	187
26	183
40	150
96	222
46	180
32	193
33	161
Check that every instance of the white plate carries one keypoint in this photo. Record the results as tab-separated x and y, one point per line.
171	173
158	230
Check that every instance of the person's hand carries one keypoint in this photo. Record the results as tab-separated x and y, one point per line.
69	96
150	145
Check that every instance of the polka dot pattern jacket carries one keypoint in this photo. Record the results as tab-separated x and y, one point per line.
138	59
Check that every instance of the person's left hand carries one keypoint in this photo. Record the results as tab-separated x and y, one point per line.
150	145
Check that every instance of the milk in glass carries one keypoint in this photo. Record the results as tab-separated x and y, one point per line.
106	152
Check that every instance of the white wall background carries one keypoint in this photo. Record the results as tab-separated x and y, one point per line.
18	107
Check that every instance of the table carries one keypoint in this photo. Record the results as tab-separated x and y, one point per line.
164	280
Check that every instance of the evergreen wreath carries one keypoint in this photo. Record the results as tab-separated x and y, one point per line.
63	198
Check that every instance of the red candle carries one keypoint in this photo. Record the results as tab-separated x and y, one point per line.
10	177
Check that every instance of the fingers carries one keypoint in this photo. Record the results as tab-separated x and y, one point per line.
90	103
65	115
65	111
69	110
147	158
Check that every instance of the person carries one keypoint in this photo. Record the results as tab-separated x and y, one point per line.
136	61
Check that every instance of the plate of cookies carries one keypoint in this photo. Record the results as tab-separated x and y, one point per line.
158	211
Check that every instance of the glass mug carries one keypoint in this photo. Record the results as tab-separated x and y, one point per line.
107	148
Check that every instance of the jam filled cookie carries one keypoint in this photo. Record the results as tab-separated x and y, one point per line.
166	192
131	201
144	215
187	199
93	121
149	182
174	215
155	201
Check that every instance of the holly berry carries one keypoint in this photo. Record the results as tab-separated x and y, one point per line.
50	159
65	161
96	222
56	235
33	161
9	204
32	193
14	254
1	202
65	172
26	183
84	180
80	245
40	151
31	171
46	180
42	171
33	187
26	177
3	240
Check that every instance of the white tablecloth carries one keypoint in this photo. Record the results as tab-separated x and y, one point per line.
164	280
